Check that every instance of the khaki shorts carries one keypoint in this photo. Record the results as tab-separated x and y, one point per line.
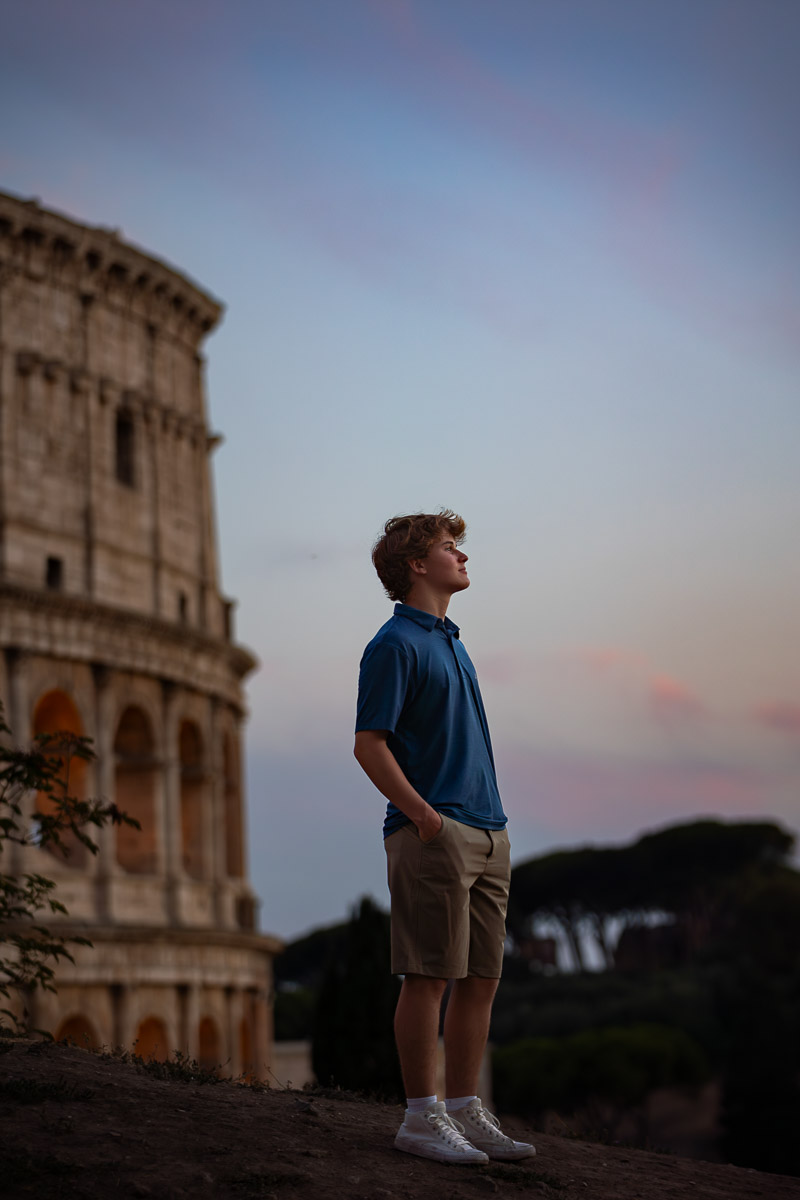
449	900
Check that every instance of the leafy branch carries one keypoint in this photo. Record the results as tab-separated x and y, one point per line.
29	951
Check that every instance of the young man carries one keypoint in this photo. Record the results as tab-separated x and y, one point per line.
422	738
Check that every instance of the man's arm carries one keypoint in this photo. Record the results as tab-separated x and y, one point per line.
377	761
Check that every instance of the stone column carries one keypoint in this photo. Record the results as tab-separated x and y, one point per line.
36	1016
80	384
7	384
231	1051
18	717
216	805
189	1010
153	430
239	762
106	838
124	1033
171	808
207	552
262	1034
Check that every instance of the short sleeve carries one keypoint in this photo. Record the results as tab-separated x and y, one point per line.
383	685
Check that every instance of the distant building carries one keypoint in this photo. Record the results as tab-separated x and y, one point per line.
112	625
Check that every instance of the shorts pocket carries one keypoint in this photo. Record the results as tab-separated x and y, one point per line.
438	835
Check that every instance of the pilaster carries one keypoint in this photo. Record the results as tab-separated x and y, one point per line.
106	861
121	1002
171	810
18	718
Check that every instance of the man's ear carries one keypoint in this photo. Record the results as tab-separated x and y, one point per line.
417	565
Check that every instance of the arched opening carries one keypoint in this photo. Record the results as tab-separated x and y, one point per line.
56	714
209	1052
234	855
134	792
151	1040
193	785
79	1031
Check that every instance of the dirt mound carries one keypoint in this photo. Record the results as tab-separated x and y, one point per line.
77	1124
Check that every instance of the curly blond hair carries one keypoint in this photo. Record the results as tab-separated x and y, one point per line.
408	537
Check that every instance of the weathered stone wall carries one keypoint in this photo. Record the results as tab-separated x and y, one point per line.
112	625
104	433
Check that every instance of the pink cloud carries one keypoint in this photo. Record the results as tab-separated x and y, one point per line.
560	798
604	659
671	701
666	698
781	716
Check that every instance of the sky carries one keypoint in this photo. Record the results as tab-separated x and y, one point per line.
534	260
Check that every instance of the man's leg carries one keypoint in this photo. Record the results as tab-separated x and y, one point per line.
416	1031
426	1131
466	1025
466	1030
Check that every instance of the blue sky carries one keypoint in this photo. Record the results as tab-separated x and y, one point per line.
536	260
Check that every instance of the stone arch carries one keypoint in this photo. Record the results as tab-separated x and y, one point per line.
193	792
193	786
134	791
57	713
209	1052
78	1030
152	1040
234	842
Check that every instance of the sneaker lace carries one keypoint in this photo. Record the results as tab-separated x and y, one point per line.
491	1124
451	1131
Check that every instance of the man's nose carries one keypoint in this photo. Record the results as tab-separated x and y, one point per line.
464	557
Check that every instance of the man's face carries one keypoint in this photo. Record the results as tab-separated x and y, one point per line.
446	566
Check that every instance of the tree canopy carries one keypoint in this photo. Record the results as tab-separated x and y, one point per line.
686	872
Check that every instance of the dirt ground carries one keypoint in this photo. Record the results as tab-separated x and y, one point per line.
77	1124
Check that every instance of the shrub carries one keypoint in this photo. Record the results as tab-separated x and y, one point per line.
616	1065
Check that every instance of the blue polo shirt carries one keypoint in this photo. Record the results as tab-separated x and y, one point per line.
416	680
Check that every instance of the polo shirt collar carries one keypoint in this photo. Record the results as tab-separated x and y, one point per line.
425	619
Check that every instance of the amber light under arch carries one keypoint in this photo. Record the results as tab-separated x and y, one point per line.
56	712
135	774
152	1042
194	781
78	1030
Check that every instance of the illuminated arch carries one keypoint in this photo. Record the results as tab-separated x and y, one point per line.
193	789
209	1046
78	1030
134	792
55	713
152	1042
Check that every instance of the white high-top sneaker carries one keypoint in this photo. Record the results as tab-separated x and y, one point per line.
484	1132
434	1134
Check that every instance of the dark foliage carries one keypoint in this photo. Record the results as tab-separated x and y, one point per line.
303	962
556	1006
28	949
690	871
616	1065
353	1041
293	1013
759	1008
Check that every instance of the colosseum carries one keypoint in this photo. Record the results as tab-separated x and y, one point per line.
113	626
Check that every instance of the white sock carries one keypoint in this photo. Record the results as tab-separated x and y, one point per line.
419	1103
459	1102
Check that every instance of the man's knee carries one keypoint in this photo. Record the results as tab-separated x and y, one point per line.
475	987
427	985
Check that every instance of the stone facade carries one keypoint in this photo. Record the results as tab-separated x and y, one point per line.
112	625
